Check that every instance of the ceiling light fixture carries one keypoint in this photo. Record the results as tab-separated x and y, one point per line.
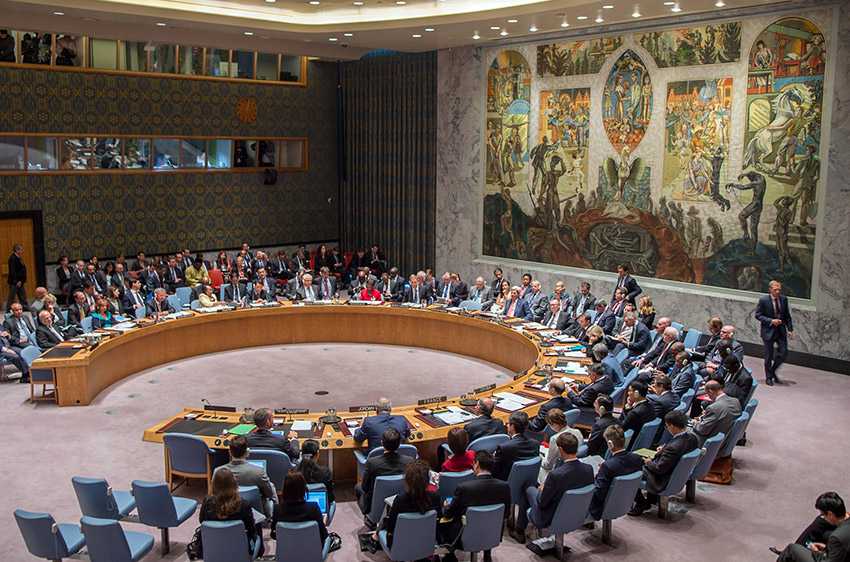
533	28
581	18
161	24
416	35
676	8
599	18
58	13
348	34
271	1
358	3
332	39
400	2
513	20
314	2
636	13
504	33
248	33
719	4
430	29
608	7
495	27
669	3
476	36
565	23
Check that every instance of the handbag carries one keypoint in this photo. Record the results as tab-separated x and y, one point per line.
336	542
195	548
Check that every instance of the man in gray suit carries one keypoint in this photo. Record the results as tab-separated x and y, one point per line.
248	474
537	303
480	293
583	300
717	416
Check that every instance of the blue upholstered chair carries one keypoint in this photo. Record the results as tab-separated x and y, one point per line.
185	296
621	355
278	464
620	390
385	486
570	515
106	541
414	537
301	542
98	500
361	456
47	539
710	448
175	302
692	338
195	304
187	457
522	475
319	487
449	481
678	479
618	502
158	508
221	291
252	496
483	529
40	377
86	324
679	326
140	312
646	436
487	443
734	436
227	541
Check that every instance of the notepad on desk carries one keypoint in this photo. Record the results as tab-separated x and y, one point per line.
509	405
242	429
302	425
511	397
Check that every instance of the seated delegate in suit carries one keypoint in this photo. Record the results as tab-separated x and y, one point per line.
173	277
460	289
386	464
708	340
599	354
315	473
79	310
836	547
326	284
646	312
263	438
501	298
9	354
579	328
556	424
518	447
225	504
369	292
207	298
633	335
583	300
497	281
446	288
538	303
584	395
560	294
268	283
20	327
637	410
738	381
391	285
485	424
656	340
373	427
682	374
248	474
133	298
414	293
543	500
660	357
258	293
620	463
236	291
555	318
603	406
719	415
605	317
294	507
159	306
101	316
65	328
460	459
480	294
280	267
482	490
307	292
415	498
516	307
657	471
661	396
556	390
151	279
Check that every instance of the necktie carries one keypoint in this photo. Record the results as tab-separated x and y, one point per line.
446	291
55	333
553	321
776	308
22	326
477	297
236	292
416	295
309	293
327	288
512	308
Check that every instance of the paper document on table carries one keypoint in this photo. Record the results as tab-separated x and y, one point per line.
509	405
564	338
514	398
123	326
302	425
534	326
454	415
574	354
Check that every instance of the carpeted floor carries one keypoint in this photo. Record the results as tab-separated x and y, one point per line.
795	448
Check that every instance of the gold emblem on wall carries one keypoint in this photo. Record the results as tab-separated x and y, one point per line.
246	110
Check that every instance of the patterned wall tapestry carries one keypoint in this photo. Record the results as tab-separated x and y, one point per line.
707	216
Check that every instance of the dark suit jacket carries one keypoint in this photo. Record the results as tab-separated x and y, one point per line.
373	429
640	340
682	379
568	476
522	309
77	313
76	282
165	306
661	357
486	296
408	295
596	444
11	325
560	324
151	281
663	403
635	417
579	308
387	464
119	281
17	270
538	422
606	321
765	313
484	426
265	439
299	512
657	472
262	295
461	293
128	303
484	489
45	338
441	288
518	448
587	394
631	286
739	385
319	285
619	464
230	293
171	281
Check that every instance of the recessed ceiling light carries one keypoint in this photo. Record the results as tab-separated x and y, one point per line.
533	28
58	13
271	1
476	36
669	3
636	13
495	27
719	4
504	33
608	7
513	20
429	29
400	2
348	34
358	3
565	23
332	39
248	33
676	8
416	35
161	24
314	2
599	18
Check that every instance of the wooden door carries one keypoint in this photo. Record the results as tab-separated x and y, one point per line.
17	231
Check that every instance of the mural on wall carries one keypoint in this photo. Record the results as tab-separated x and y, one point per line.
508	108
577	57
627	102
708	44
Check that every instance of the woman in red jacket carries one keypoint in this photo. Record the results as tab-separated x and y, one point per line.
369	293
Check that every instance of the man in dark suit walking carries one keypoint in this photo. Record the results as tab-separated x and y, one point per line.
486	424
17	278
777	326
626	282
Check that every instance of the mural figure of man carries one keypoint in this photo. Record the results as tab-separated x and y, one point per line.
809	173
538	159
786	208
716	163
751	214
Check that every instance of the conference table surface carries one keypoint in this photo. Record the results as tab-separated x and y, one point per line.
81	373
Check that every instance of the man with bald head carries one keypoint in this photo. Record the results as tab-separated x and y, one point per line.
537	302
556	318
661	357
485	424
657	341
560	293
373	427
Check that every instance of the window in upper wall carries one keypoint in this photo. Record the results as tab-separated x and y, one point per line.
164	59
218	62
191	60
245	156
242	64
42	153
137	153
134	56
69	50
77	153
193	153
166	154
35	48
290	68
291	154
8	46
266	66
266	153
11	153
103	53
107	153
220	153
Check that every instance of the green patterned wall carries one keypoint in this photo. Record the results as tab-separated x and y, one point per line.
106	214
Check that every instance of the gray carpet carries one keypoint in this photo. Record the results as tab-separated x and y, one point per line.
795	448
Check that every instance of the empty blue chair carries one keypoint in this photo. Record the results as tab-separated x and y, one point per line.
195	304
86	324
141	312
522	475
221	291
678	479
361	456
749	409
752	388
47	539
679	326
620	390
692	338
572	416
158	508
487	443
106	541
301	542
185	296
98	500
621	355
227	541
278	464
470	305
30	353
710	448
570	515
734	436
450	480
175	302
187	457
317	487
686	401
646	436
414	537
385	486
618	502
483	529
